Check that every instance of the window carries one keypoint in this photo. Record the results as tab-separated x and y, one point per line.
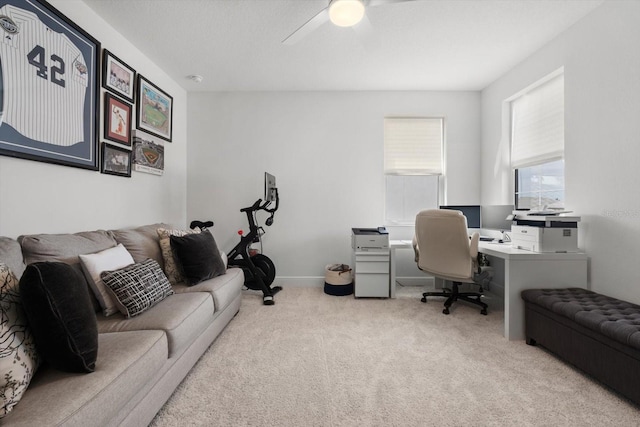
537	144
413	148
540	185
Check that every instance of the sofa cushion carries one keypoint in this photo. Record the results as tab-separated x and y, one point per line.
170	267
141	242
65	248
127	362
224	289
94	264
11	255
56	300
197	256
182	317
18	355
137	287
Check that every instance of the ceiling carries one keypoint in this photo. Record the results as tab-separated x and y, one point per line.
415	45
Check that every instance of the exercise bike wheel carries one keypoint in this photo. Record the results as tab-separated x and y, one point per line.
266	266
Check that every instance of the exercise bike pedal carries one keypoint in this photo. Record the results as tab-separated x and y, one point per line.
275	290
268	300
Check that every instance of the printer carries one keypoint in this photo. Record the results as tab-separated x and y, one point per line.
538	232
370	239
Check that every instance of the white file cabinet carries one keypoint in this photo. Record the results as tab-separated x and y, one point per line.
371	274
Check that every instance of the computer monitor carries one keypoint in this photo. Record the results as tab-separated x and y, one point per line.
472	212
269	187
494	217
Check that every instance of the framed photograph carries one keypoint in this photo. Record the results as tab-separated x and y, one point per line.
117	120
50	88
116	160
117	76
154	109
148	153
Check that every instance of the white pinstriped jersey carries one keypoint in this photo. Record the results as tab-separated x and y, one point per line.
44	79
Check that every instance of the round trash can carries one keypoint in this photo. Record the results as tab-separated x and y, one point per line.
338	280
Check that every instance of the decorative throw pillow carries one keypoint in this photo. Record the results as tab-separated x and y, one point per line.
198	256
107	260
170	268
18	356
58	305
137	287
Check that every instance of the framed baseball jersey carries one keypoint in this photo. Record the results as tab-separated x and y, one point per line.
48	86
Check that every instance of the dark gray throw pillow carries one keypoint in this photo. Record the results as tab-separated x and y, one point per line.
197	256
56	301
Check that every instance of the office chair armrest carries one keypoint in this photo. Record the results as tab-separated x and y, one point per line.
473	245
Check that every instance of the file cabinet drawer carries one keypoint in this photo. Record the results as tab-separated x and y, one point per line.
372	258
371	285
372	267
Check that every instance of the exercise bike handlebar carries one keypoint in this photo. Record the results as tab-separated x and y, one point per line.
258	205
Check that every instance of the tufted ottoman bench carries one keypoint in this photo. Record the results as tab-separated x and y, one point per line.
598	334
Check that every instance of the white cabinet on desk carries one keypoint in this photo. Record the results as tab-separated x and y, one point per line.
371	274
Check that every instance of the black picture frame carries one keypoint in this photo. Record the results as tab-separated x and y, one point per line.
117	120
154	109
115	160
117	76
59	88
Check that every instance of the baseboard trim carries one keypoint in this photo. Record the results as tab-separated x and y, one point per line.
299	281
415	281
318	281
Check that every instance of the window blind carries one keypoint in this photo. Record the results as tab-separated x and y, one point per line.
413	146
537	125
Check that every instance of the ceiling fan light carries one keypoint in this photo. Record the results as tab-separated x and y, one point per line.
346	13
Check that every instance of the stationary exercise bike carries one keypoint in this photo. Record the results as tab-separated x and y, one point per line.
259	270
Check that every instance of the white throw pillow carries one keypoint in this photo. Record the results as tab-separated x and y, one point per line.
18	355
107	260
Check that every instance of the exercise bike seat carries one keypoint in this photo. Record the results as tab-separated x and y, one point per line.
200	224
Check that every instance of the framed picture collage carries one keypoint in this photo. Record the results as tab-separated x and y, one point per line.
53	70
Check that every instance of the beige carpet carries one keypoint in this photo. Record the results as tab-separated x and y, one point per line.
320	360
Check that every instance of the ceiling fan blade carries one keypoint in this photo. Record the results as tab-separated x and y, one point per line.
308	27
383	2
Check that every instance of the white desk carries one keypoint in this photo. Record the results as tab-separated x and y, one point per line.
522	270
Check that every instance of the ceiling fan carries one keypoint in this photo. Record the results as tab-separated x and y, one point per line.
343	13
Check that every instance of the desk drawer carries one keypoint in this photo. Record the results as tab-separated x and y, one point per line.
372	267
372	258
371	285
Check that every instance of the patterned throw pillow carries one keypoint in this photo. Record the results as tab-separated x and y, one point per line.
18	357
137	287
170	267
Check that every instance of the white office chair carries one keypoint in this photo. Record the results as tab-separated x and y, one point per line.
443	248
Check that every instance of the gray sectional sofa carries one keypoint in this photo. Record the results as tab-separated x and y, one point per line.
141	360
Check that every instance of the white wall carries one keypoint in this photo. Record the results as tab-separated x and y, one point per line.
326	151
38	197
601	59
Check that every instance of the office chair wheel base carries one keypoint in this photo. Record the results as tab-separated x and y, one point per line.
424	299
446	310
483	311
